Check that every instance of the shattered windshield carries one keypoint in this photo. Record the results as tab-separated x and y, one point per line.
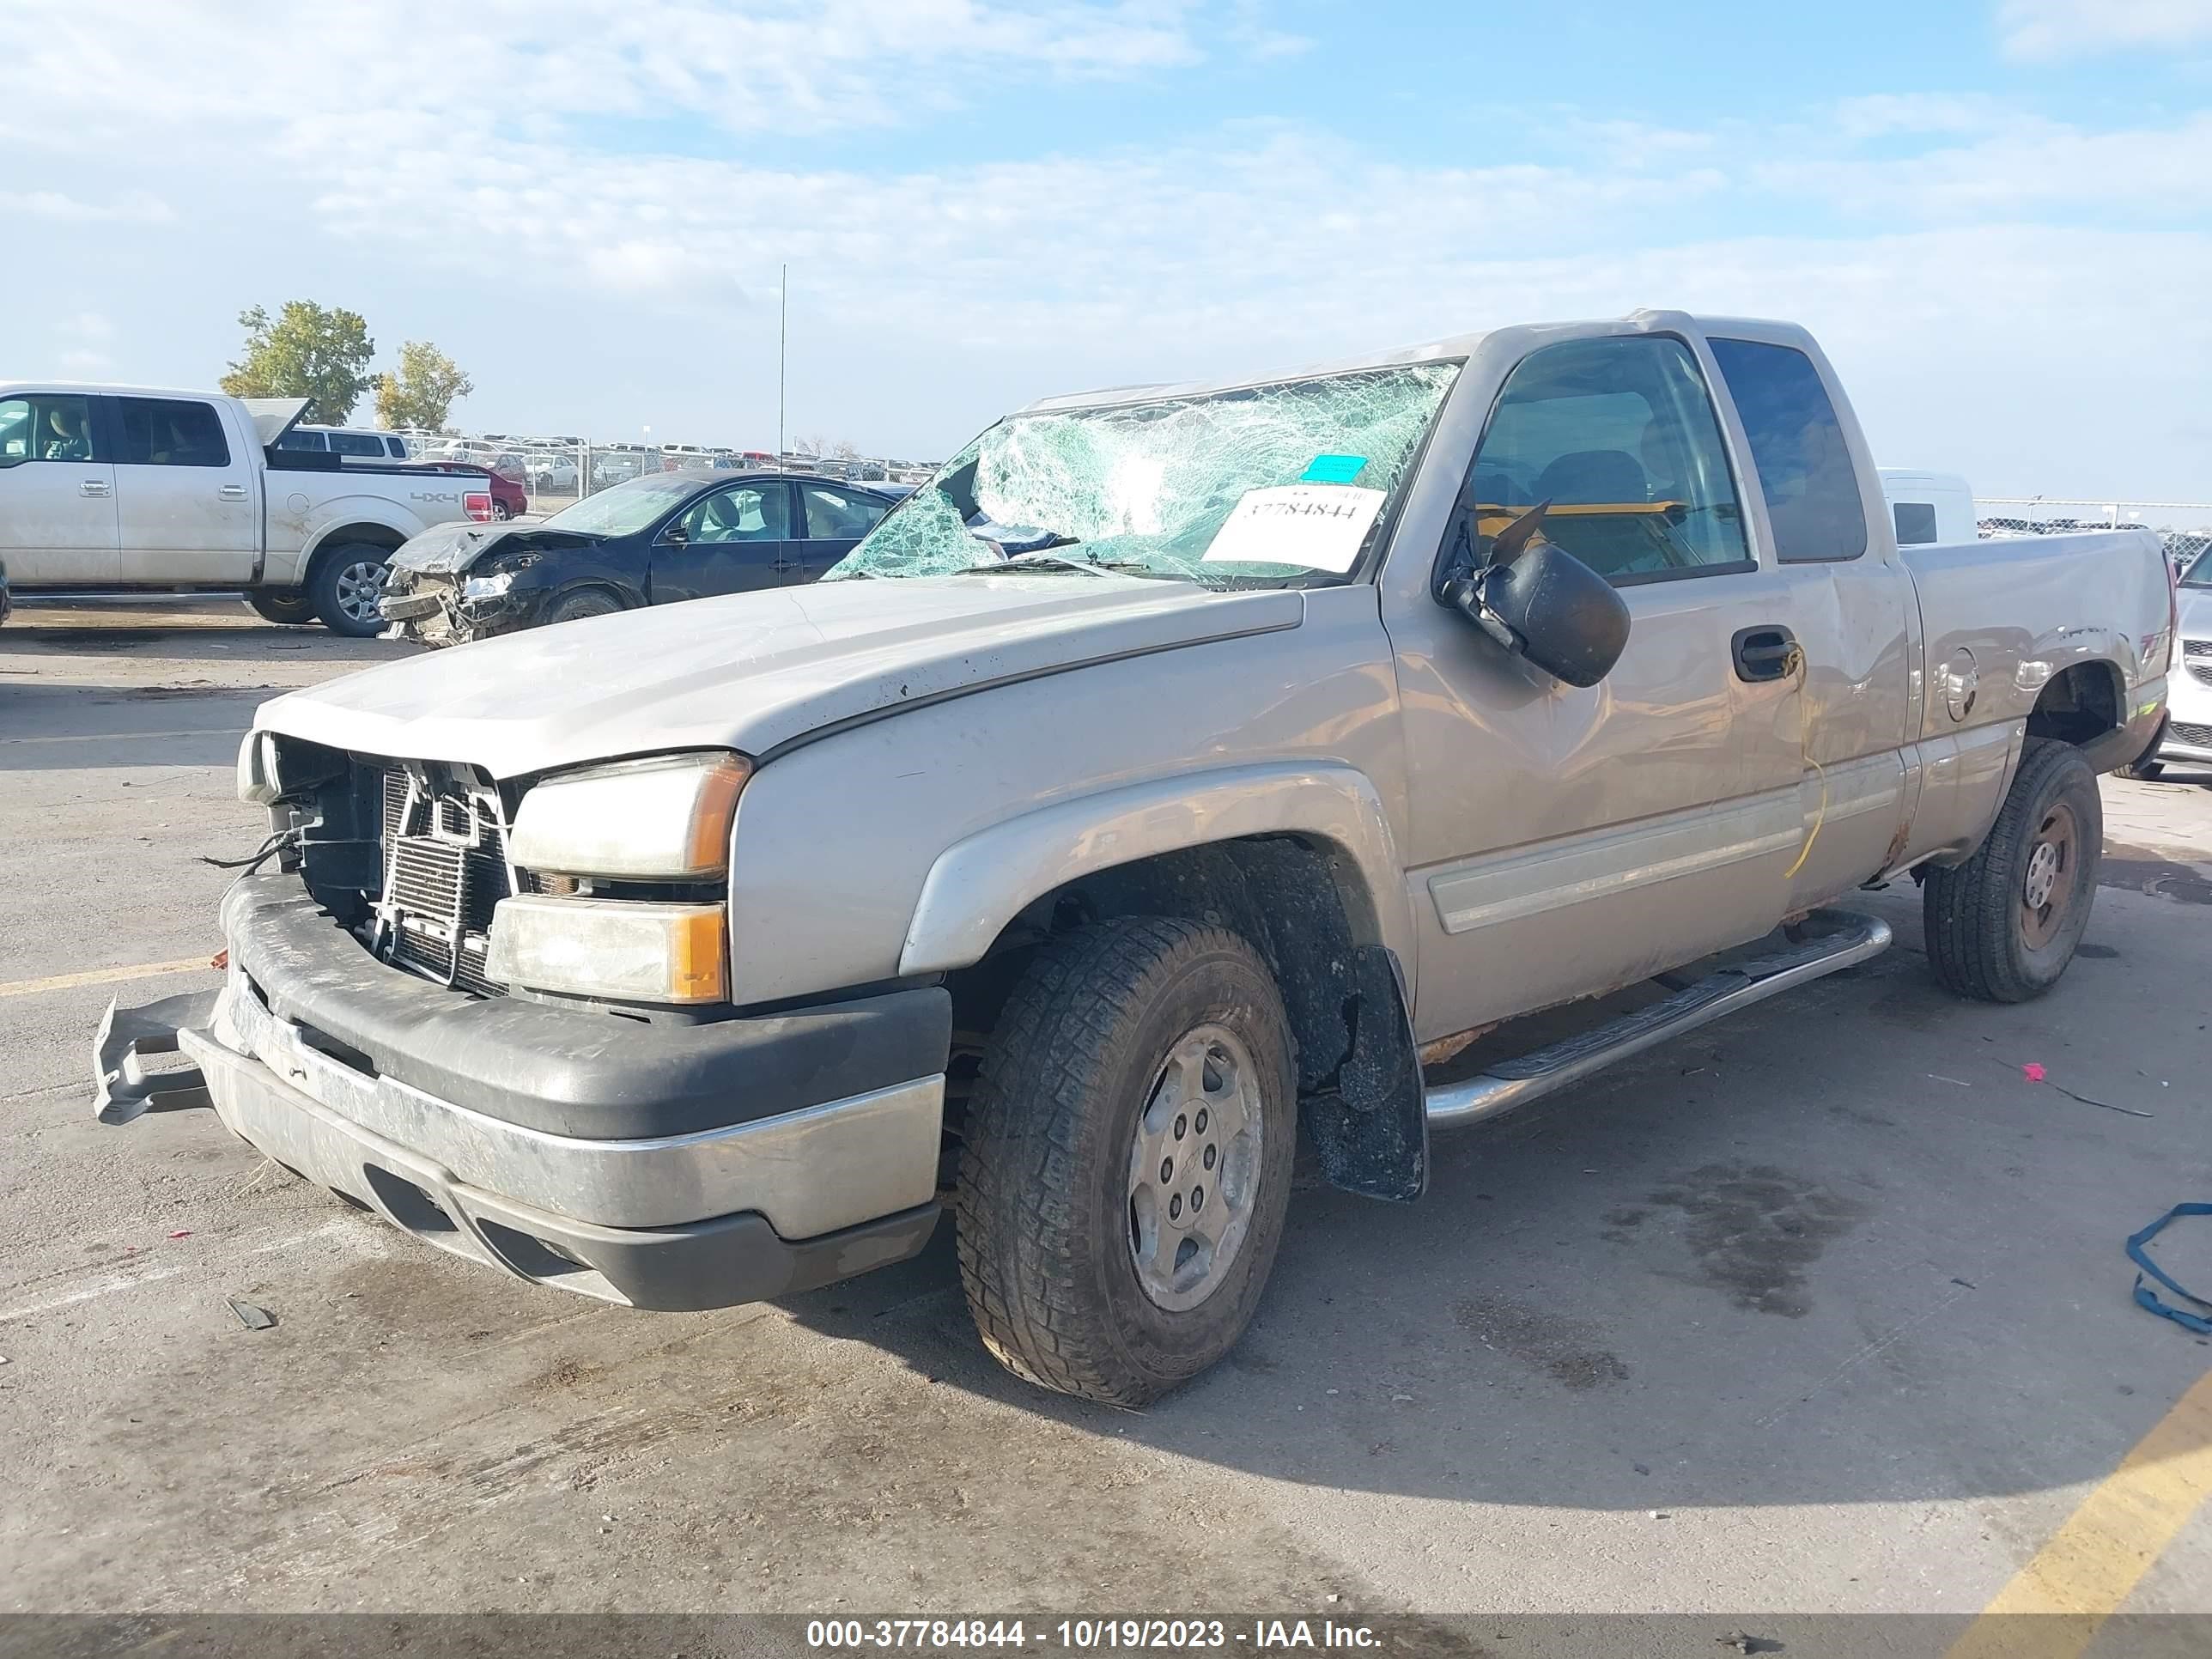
627	508
1268	484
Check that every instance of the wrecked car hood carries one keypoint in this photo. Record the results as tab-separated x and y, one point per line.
450	547
755	670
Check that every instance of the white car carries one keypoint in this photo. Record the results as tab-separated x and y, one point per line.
555	472
2184	739
120	487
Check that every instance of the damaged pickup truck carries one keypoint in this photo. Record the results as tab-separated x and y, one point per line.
689	956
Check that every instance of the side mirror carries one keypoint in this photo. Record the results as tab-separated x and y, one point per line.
1540	602
675	535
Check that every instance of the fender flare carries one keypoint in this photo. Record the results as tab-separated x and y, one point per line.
327	535
979	883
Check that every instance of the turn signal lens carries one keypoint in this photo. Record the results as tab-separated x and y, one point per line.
625	950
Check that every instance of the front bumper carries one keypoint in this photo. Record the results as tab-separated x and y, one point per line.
565	1144
2188	735
430	608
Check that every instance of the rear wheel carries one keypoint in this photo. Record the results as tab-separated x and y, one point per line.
2002	926
1127	1159
281	604
345	586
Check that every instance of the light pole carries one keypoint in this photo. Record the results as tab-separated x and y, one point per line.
782	337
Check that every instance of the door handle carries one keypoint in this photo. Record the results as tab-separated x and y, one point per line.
1764	653
92	486
231	493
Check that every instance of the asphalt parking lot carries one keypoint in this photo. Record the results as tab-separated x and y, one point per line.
1820	1310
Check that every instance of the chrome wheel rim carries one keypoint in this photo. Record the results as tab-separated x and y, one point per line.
359	587
2046	888
1194	1168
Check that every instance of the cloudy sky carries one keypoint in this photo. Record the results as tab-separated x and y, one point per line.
1997	213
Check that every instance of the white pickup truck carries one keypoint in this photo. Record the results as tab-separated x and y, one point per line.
109	487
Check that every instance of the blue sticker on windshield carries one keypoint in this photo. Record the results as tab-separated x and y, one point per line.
1334	469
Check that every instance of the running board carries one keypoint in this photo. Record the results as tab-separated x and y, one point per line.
1845	940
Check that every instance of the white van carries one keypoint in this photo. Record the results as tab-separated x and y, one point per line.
1929	508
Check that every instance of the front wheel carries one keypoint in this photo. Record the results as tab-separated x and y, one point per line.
2002	927
345	586
1127	1158
590	602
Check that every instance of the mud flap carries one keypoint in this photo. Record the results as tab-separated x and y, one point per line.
122	1088
1371	1130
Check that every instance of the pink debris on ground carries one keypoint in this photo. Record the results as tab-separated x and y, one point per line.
2032	1072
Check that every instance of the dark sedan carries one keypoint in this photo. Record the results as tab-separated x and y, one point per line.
655	540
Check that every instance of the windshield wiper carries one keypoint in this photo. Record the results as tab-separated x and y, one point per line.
1061	561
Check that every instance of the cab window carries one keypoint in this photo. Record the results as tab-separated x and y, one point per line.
1797	445
1617	438
46	427
169	432
751	513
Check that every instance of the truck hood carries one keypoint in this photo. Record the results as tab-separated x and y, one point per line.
455	547
755	670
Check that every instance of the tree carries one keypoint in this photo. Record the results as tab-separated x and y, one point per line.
422	390
303	352
846	450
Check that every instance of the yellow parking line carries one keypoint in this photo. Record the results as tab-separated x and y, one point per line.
2093	1562
24	987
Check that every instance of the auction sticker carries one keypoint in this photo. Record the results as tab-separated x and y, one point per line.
1320	527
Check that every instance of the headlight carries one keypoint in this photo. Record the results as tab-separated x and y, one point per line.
630	950
257	769
664	819
488	588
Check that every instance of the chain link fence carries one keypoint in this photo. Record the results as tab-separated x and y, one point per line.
2184	527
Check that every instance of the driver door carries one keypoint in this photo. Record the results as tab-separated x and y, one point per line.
730	540
57	491
1565	841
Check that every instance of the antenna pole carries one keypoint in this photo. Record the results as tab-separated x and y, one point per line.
782	334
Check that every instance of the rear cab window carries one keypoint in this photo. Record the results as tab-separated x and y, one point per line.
169	432
1798	447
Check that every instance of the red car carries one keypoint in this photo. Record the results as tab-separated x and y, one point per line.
508	498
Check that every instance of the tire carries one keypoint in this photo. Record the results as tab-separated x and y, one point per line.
1073	1102
344	589
500	511
281	604
1984	939
591	602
